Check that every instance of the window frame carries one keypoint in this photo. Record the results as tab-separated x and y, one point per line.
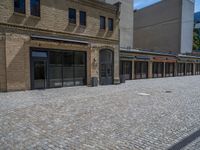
72	20
84	23
104	26
39	13
18	10
110	20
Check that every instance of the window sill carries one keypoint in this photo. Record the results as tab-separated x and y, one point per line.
110	31
35	17
71	24
82	26
102	30
19	14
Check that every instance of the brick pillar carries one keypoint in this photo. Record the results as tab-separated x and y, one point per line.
164	70
3	85
116	66
175	69
194	69
185	68
150	67
93	64
133	70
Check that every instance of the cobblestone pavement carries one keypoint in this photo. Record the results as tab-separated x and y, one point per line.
142	114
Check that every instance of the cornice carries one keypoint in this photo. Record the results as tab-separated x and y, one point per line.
98	4
60	33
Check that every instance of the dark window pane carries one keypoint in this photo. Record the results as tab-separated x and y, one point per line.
55	76
68	59
102	22
80	68
72	15
39	54
110	24
68	69
35	7
82	18
55	58
55	69
40	76
19	6
141	70
103	70
169	69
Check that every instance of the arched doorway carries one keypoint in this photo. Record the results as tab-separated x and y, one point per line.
106	67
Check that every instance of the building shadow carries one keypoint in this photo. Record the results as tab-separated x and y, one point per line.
186	141
71	27
80	29
16	19
32	21
101	33
109	34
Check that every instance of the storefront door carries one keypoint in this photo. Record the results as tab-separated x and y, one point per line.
126	69
106	67
141	70
39	74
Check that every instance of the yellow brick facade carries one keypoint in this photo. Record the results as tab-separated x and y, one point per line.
16	30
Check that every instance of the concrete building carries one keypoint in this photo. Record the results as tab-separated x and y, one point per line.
163	34
166	26
49	43
126	22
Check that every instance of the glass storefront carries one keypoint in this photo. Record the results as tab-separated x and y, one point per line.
126	69
189	69
141	70
59	69
181	69
158	69
169	69
197	69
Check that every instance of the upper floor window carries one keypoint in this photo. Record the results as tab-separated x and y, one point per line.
19	6
35	7
82	18
72	15
110	24
102	22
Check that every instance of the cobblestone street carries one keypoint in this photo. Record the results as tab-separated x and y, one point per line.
141	114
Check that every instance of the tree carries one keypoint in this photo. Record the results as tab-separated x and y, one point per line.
196	39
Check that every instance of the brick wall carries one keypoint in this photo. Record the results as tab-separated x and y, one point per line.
54	16
54	22
15	61
2	64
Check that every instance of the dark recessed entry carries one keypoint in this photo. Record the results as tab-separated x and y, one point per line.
51	69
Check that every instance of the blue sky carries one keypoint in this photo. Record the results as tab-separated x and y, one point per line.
143	3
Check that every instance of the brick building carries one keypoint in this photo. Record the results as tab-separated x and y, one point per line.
47	44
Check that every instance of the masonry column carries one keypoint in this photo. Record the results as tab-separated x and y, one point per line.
194	69
133	69
150	67
15	61
186	69
93	70
116	65
164	70
175	69
3	81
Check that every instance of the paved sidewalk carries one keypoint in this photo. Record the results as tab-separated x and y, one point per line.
141	114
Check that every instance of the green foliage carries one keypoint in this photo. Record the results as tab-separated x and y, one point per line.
196	39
